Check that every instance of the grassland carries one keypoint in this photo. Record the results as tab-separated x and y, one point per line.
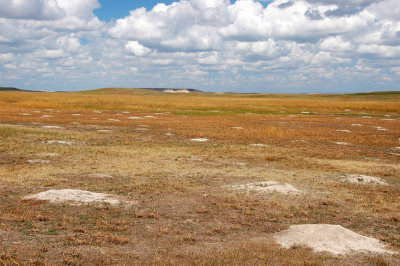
186	213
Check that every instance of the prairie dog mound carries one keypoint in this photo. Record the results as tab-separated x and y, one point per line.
268	187
330	238
364	179
76	197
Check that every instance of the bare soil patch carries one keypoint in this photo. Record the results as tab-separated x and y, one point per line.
76	197
330	238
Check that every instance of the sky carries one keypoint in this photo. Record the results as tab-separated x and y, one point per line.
277	46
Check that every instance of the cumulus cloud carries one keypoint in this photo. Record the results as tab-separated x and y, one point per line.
211	43
137	49
31	9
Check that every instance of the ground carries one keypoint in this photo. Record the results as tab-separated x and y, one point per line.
137	145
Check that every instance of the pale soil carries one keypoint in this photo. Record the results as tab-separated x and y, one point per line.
364	179
76	197
330	238
268	187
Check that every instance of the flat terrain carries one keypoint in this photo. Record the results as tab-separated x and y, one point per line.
183	163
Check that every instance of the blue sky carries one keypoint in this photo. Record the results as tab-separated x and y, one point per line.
299	46
114	9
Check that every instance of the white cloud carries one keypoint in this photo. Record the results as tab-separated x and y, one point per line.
210	43
137	49
31	9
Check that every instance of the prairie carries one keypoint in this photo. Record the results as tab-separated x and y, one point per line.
137	145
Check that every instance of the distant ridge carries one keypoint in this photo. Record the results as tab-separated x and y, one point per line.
171	89
12	89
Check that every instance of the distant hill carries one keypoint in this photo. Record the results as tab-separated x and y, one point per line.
139	91
172	89
12	89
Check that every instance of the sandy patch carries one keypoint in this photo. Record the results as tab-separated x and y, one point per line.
47	154
76	114
329	238
24	114
150	116
342	143
52	127
114	120
237	128
77	197
135	117
258	145
364	179
365	116
38	161
141	129
98	175
299	141
380	128
75	123
47	116
356	125
199	139
126	112
343	130
97	112
268	187
104	131
169	134
62	142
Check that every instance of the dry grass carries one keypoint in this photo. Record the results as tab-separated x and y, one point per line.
186	215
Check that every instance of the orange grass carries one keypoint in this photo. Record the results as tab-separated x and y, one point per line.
186	214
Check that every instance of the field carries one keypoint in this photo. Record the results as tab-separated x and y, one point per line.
141	146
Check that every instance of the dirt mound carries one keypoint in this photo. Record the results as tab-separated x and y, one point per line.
99	175
364	179
330	238
268	187
38	161
76	197
199	139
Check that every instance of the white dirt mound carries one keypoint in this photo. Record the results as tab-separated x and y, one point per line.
37	161
47	154
200	139
76	197
268	187
62	142
364	179
330	238
342	143
258	145
97	175
52	127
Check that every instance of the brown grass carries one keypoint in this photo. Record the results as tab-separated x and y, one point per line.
185	213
